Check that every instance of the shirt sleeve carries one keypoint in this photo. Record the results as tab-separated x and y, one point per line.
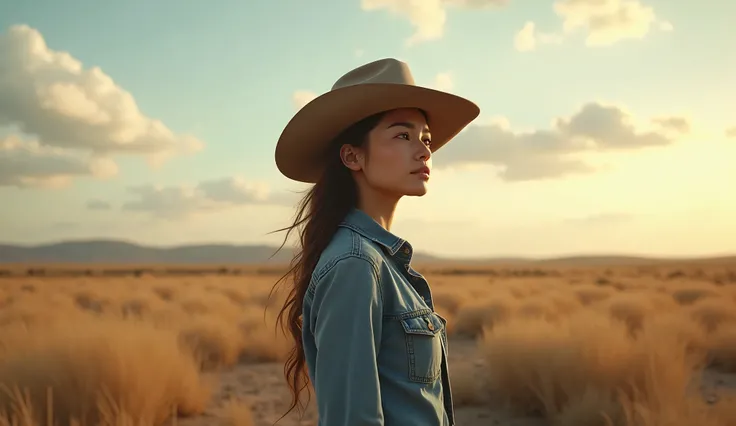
346	318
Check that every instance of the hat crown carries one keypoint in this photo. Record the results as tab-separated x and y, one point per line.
382	71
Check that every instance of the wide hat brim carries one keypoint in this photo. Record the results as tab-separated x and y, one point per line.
300	151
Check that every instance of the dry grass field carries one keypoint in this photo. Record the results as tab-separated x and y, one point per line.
535	344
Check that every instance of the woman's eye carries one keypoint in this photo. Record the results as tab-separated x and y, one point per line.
407	136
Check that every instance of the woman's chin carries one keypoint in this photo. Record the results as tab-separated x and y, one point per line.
417	191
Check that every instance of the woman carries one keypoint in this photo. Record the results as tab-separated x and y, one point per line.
363	322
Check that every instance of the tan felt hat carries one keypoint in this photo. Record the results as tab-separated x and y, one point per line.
379	86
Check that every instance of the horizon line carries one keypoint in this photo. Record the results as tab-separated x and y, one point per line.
421	252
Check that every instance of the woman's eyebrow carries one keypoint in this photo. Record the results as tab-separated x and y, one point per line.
407	125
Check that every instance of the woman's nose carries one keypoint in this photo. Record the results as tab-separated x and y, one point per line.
424	152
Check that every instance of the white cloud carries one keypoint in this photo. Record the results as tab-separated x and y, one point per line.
235	190
27	163
207	196
49	95
428	17
528	38
98	205
555	152
444	82
170	202
672	123
607	22
666	26
525	40
302	97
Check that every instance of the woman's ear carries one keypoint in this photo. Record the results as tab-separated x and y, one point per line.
351	157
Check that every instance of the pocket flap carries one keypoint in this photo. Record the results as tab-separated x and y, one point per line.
427	325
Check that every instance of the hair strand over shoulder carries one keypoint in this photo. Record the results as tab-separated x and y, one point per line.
317	218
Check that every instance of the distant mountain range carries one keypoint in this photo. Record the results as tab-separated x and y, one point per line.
122	252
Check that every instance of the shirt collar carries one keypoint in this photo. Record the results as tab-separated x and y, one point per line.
360	222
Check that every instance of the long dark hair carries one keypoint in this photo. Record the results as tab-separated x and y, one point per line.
317	217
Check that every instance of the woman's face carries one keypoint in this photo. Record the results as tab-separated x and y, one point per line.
396	158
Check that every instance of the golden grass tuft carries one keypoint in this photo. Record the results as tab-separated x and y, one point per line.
126	351
213	342
474	317
688	296
722	348
238	413
713	313
588	294
89	371
588	370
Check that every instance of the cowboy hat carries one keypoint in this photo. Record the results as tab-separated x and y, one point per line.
375	87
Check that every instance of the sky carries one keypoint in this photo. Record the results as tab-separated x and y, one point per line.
606	126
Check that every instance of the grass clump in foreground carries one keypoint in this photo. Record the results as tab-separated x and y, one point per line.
124	351
97	373
589	370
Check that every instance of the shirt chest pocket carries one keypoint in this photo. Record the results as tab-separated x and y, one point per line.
423	347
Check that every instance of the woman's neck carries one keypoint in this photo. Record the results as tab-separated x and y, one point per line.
379	206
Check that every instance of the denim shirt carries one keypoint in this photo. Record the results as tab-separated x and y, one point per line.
376	351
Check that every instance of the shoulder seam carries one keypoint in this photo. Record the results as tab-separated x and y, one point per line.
333	262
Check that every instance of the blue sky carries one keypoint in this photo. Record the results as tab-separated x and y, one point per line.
226	74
